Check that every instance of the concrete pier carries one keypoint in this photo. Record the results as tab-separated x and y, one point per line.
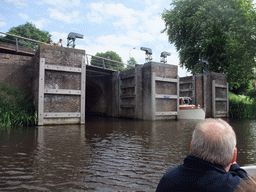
209	91
149	92
67	88
59	85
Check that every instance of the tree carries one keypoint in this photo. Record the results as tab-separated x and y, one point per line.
132	62
110	55
221	32
28	30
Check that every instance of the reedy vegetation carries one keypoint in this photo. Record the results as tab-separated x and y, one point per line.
16	109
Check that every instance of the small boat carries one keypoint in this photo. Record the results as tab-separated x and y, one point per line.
250	169
189	111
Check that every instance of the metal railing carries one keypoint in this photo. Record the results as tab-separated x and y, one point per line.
106	63
18	42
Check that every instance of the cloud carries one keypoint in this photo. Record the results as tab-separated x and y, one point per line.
143	36
62	3
154	24
95	17
118	40
136	28
102	11
112	9
145	21
2	23
24	16
97	13
64	16
133	28
17	2
40	23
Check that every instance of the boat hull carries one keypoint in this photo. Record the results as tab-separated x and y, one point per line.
251	170
191	114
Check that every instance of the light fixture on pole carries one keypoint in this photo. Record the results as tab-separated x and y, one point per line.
130	55
164	57
72	38
206	65
148	51
131	51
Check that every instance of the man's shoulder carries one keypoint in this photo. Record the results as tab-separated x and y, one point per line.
195	174
174	171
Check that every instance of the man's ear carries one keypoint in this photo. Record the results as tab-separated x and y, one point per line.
234	156
191	143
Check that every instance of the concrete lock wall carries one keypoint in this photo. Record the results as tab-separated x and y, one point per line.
59	85
199	90
160	91
99	94
217	97
149	92
17	70
187	89
128	94
57	79
215	94
209	91
113	104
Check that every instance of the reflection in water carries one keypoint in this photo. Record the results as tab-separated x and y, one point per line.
17	153
246	140
134	154
105	154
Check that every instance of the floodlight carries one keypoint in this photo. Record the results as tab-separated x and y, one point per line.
163	56
148	53
72	37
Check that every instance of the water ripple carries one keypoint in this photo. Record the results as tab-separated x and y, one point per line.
105	154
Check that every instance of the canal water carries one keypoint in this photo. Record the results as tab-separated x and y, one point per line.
105	154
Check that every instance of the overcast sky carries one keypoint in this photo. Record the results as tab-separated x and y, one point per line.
108	25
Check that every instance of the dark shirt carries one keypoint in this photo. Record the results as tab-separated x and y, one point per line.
200	175
49	42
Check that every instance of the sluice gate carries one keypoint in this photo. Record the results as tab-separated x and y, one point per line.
59	85
209	91
149	92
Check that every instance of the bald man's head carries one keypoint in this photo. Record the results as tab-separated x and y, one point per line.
214	140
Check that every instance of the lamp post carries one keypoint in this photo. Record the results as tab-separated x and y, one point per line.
130	55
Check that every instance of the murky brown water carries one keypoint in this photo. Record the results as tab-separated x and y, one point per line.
105	154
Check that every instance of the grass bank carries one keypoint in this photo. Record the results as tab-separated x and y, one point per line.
242	107
16	108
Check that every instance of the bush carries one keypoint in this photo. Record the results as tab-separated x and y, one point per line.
252	94
16	109
242	106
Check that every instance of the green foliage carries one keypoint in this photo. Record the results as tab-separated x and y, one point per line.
28	30
252	94
244	88
242	106
219	31
108	64
16	109
132	62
